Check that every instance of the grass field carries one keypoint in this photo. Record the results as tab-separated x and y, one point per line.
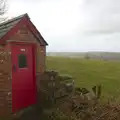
88	73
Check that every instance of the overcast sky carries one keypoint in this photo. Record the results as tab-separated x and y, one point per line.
73	25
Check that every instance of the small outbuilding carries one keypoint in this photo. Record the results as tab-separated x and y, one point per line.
22	58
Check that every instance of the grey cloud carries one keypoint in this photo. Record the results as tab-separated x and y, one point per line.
102	16
91	26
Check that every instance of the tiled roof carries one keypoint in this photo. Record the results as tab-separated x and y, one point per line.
7	25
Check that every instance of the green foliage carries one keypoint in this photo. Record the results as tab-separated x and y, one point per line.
88	73
6	118
65	77
58	115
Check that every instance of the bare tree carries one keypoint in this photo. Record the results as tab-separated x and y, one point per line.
3	9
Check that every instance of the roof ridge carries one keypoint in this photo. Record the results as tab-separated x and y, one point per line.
13	19
6	26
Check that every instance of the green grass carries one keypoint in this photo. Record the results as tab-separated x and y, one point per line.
88	73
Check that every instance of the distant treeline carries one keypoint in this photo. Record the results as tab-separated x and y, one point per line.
88	55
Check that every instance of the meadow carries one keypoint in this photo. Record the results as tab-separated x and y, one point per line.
88	73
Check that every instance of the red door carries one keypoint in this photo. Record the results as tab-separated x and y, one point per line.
23	79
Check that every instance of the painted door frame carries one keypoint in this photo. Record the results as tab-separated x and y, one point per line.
34	46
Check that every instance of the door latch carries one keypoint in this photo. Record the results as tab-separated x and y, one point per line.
14	68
